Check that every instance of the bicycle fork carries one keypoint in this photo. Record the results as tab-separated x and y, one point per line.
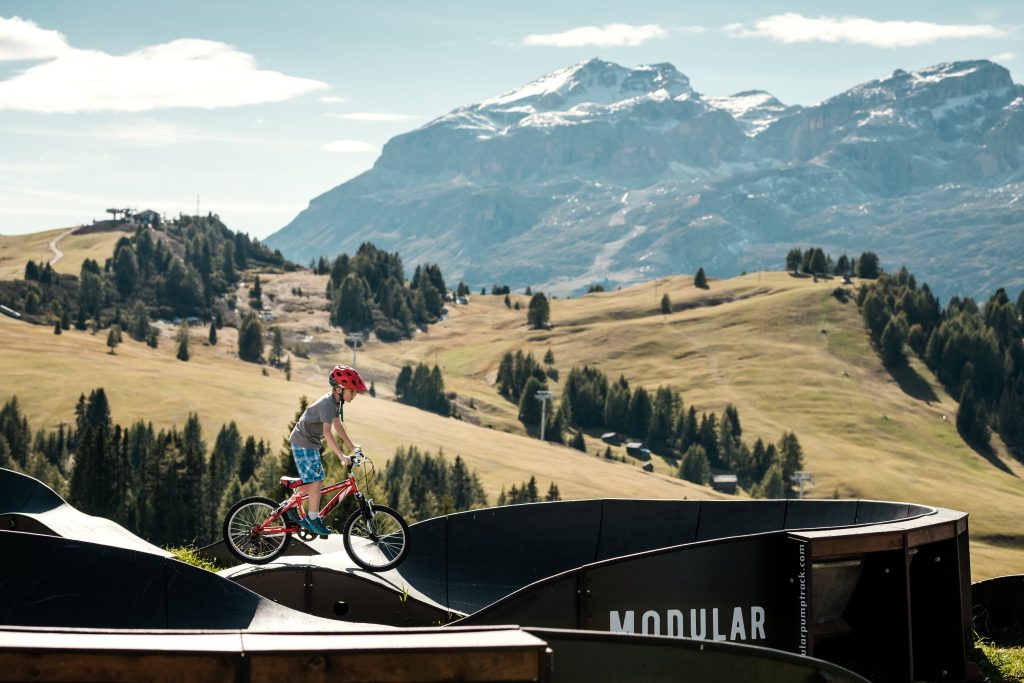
366	507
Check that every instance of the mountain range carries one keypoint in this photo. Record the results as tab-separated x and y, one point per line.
598	173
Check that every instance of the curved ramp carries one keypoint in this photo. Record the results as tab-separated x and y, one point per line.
27	504
879	587
49	581
999	609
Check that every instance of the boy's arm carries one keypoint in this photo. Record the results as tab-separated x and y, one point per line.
329	429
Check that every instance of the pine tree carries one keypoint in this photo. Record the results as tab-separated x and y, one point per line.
773	484
250	338
666	305
695	466
256	293
794	259
791	457
113	337
891	342
539	312
276	347
700	280
183	353
529	406
639	413
968	420
578	442
867	265
56	327
91	487
213	334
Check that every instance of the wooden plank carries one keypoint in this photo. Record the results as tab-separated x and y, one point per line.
407	667
114	667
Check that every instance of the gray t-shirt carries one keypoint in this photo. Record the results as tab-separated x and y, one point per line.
309	430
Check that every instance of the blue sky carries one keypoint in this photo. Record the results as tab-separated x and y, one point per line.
256	107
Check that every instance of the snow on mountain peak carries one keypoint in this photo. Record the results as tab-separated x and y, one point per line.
754	110
595	81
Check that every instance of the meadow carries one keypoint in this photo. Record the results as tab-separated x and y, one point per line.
784	350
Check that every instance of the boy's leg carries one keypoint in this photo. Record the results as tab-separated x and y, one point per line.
311	471
312	490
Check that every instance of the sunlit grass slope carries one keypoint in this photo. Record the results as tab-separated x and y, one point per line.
784	350
48	373
16	250
788	354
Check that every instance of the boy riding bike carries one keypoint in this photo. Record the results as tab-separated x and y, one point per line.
322	419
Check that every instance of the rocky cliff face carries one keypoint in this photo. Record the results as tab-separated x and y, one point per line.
599	173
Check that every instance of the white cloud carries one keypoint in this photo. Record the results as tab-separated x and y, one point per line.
160	134
1003	57
182	73
333	99
609	35
22	40
373	116
796	28
350	147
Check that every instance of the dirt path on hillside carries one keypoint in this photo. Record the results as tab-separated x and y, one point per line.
58	254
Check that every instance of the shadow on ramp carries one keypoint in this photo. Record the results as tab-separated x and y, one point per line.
27	504
59	582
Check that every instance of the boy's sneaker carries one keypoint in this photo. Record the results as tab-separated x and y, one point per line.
307	524
317	526
291	515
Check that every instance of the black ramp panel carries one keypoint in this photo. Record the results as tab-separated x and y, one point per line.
496	551
725	518
22	493
738	590
554	603
633	526
51	581
426	565
999	609
877	511
820	514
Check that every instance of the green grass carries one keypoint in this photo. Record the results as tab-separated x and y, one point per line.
190	555
1000	664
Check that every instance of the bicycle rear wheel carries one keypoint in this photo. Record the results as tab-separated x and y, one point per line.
379	543
243	537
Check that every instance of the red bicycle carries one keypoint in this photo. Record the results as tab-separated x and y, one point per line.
258	529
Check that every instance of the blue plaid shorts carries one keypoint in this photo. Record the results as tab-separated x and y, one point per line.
307	460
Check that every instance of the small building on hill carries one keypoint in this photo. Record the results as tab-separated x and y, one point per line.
612	438
724	483
637	450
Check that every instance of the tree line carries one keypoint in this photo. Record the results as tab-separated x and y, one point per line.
976	352
814	261
164	485
181	268
368	292
423	388
699	444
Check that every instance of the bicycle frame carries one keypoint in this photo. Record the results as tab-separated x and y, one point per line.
343	489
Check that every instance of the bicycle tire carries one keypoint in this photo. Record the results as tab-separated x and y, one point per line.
372	551
237	531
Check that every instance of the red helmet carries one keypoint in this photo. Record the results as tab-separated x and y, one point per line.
347	377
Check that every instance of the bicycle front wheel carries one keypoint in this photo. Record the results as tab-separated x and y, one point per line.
245	536
377	543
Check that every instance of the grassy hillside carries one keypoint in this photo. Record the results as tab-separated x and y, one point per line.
787	353
16	250
49	372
